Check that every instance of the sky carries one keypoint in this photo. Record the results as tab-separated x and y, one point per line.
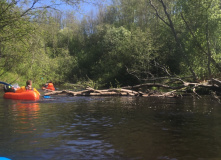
85	8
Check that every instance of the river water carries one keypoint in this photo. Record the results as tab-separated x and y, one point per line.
72	128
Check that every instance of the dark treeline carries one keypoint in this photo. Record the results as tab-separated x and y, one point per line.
128	42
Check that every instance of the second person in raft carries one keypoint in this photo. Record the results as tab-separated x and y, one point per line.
27	87
49	86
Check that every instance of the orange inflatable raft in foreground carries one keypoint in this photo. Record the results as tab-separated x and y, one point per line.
26	95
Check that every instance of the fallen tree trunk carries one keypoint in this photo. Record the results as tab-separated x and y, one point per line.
177	91
215	82
93	92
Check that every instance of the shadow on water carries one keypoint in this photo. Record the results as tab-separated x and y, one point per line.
62	127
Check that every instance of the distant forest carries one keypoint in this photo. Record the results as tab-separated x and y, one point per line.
125	43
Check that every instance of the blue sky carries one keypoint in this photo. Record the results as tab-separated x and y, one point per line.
85	8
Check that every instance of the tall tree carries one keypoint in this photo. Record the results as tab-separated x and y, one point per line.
167	20
203	32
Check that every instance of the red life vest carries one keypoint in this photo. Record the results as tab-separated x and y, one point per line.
50	86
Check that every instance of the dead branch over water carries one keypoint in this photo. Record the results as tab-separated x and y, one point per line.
183	89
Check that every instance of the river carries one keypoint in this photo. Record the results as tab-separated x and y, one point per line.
127	128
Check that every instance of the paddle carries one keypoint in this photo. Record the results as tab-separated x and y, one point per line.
46	96
4	158
7	84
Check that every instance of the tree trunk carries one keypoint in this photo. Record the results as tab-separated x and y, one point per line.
171	26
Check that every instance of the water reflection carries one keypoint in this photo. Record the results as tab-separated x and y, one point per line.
24	114
26	110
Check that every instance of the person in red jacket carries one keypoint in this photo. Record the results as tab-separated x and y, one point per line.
49	86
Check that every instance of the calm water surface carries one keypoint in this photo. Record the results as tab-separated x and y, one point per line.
72	128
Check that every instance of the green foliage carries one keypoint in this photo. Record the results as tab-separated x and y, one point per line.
203	42
126	37
119	49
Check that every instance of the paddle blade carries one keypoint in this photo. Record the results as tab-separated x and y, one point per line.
47	97
5	83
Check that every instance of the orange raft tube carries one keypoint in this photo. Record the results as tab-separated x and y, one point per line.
26	95
51	88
